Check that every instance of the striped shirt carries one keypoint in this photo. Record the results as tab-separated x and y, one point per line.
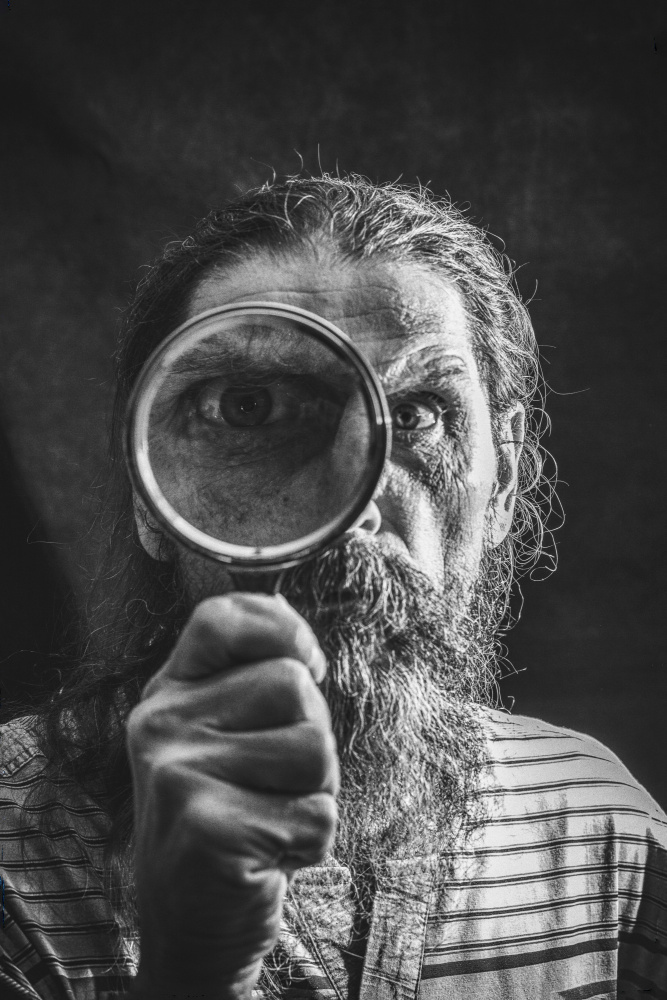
561	892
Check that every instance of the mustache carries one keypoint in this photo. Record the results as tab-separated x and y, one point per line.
359	582
376	615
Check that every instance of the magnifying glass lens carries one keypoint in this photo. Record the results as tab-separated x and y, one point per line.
260	434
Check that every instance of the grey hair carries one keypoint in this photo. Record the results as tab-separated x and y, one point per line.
357	219
137	606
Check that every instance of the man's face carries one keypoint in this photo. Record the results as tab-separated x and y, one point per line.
410	650
435	499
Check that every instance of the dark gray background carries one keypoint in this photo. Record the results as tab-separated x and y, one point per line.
123	122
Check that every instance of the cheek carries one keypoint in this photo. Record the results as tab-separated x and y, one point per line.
459	477
424	504
448	491
473	462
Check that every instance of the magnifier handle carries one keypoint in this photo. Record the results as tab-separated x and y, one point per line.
258	583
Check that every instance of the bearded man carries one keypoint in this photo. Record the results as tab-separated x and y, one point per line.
312	794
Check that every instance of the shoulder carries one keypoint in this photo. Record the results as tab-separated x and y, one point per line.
59	931
22	763
35	796
544	766
18	743
569	825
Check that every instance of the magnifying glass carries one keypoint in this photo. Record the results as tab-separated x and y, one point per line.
257	435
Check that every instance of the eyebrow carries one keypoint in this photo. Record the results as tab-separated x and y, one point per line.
432	365
264	355
254	368
207	364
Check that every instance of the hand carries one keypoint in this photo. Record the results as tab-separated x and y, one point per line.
235	775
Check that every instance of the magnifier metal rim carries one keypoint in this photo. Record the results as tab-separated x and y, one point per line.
245	556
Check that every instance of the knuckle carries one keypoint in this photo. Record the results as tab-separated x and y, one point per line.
163	768
149	722
280	621
319	761
257	611
248	601
206	617
152	686
319	824
291	682
326	814
212	606
138	724
233	617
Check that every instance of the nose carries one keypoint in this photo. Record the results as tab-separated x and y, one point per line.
369	522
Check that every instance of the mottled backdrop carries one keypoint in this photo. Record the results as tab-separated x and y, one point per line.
123	122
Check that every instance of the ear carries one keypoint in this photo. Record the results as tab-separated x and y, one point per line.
509	448
151	536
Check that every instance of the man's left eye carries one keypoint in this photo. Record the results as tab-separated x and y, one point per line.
414	415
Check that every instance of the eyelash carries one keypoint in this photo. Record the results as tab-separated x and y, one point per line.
437	400
440	406
445	410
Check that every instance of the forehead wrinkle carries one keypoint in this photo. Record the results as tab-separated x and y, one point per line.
423	353
408	322
417	319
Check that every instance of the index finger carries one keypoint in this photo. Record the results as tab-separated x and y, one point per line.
228	631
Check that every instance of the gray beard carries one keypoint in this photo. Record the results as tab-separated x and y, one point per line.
408	667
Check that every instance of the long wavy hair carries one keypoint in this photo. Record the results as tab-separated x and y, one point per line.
137	605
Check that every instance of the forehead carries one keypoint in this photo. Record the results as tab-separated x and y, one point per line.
400	315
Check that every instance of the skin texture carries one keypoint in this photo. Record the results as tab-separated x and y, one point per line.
404	319
234	764
235	774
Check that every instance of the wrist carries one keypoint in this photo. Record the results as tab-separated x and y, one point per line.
193	986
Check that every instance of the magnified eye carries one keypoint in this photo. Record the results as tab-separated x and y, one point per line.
415	415
239	406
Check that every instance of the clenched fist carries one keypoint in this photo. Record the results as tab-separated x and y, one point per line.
235	775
